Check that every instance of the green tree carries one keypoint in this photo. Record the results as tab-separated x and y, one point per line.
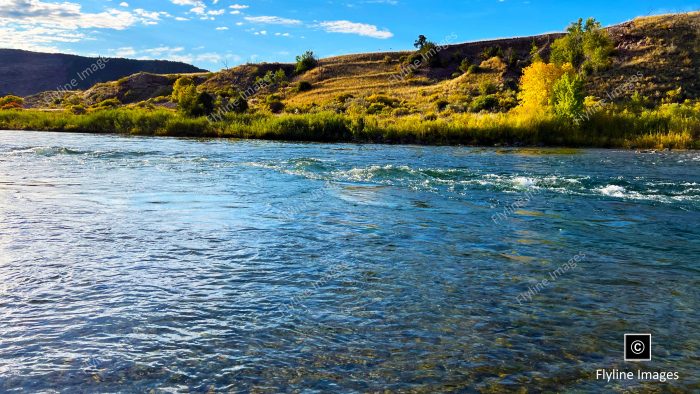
567	96
280	76
586	46
189	101
180	87
420	42
597	46
464	65
569	49
306	62
537	84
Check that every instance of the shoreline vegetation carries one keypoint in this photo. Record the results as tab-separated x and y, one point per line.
587	88
674	126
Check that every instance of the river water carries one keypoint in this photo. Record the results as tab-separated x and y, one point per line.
131	264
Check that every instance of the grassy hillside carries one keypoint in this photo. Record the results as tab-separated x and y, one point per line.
464	93
664	50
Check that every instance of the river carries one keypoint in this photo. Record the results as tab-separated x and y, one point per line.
180	265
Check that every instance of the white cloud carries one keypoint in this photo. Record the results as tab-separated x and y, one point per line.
61	15
272	20
124	52
199	10
176	54
238	6
148	17
361	29
221	28
163	51
39	25
38	38
124	4
186	2
198	7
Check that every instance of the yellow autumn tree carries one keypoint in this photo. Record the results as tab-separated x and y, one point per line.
537	85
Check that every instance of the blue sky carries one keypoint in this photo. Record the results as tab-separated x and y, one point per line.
214	33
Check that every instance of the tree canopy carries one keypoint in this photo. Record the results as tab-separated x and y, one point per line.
189	101
537	84
585	46
306	62
420	42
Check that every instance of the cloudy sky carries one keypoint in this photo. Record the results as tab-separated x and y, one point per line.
215	33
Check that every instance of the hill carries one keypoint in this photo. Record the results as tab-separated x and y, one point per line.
644	93
657	55
25	73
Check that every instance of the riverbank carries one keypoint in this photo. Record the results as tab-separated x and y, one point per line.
672	126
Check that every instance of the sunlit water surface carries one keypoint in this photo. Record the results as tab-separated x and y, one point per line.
131	264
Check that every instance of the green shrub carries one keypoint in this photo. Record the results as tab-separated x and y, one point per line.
375	108
675	126
109	103
161	99
486	88
11	102
567	96
383	99
464	65
344	97
473	69
280	76
484	103
491	51
431	53
304	86
400	112
430	116
77	109
441	104
510	57
274	104
184	127
189	102
306	62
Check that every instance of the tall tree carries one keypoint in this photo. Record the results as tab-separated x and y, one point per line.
586	46
420	42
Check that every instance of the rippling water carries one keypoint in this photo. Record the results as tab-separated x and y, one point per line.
130	264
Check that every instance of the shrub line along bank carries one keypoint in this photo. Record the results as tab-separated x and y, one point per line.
672	126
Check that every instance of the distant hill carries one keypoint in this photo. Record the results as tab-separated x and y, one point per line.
25	73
